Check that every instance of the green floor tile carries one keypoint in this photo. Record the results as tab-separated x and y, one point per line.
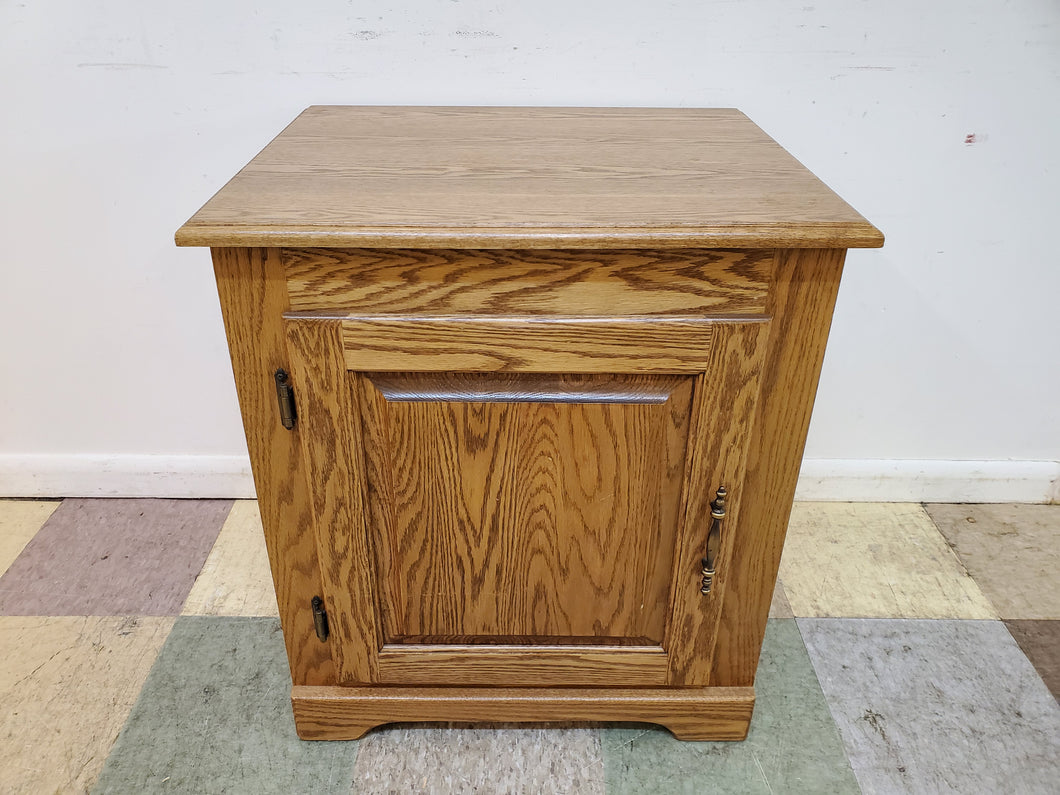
793	745
214	717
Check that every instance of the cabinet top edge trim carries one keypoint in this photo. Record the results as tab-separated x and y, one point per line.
818	235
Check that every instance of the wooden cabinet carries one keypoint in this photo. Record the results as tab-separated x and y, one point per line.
519	352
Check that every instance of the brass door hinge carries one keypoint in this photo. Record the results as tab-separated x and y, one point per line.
285	395
320	618
710	560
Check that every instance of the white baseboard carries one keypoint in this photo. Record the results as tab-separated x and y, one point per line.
198	476
851	480
843	480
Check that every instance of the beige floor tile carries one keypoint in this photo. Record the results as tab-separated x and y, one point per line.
874	560
1012	552
235	580
779	607
403	759
19	522
67	685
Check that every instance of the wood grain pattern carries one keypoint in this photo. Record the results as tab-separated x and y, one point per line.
448	282
516	519
331	443
727	395
337	713
536	665
253	292
524	178
805	284
534	345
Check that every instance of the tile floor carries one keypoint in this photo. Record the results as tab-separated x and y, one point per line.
911	649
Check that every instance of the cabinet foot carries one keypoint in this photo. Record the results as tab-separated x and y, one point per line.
346	713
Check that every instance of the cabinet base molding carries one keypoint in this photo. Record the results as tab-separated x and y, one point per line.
347	713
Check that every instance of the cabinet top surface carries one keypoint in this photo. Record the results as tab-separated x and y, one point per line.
525	178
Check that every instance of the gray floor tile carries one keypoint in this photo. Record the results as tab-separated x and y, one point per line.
113	557
937	706
793	745
215	717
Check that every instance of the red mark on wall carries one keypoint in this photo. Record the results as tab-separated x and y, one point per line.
970	138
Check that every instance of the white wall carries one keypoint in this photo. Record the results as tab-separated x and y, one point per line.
120	118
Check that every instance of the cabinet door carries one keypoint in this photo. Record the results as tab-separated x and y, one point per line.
503	501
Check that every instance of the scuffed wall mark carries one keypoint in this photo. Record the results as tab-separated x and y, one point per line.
476	34
120	66
873	68
367	35
971	138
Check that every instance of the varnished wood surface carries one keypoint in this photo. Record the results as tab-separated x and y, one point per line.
527	344
727	395
547	518
525	178
328	415
449	282
805	284
337	713
531	665
253	292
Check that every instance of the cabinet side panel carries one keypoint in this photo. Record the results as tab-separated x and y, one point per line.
805	284
253	293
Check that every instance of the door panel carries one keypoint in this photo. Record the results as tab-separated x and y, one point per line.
526	527
524	509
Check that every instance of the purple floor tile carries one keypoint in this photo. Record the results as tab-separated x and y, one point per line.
104	557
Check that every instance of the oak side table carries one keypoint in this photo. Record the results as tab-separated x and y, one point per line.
526	392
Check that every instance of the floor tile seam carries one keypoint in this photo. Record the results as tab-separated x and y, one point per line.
119	614
1034	665
895	619
182	614
956	555
995	617
828	703
824	695
848	749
